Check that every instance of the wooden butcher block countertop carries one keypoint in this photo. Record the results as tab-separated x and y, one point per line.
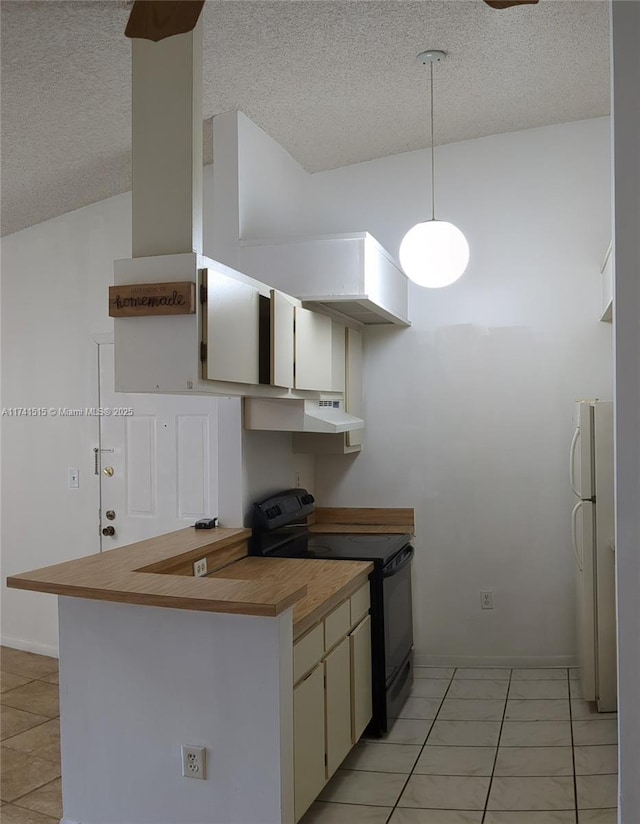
327	582
159	571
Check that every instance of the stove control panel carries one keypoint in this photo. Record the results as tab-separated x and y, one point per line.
279	510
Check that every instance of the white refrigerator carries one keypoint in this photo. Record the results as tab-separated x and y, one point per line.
592	532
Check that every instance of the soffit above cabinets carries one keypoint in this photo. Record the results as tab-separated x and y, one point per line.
348	273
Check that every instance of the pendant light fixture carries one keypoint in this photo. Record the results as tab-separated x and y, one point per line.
434	253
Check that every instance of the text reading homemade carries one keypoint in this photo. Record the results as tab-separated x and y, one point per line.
136	299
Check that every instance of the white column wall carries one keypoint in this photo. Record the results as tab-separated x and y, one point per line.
137	682
626	151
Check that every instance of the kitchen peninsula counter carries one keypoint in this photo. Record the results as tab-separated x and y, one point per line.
153	658
159	572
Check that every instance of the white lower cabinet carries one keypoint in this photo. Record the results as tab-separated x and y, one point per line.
308	740
331	695
337	669
360	650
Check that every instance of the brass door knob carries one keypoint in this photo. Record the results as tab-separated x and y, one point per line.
109	530
108	471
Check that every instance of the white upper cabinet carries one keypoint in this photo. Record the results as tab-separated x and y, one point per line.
232	329
337	357
353	383
282	349
313	334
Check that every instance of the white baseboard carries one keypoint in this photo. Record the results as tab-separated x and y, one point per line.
495	661
30	646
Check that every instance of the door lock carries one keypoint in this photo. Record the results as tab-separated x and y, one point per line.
109	530
110	515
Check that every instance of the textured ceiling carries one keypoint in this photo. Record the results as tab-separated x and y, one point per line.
334	82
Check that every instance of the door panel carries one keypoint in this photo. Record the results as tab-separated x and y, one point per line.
158	466
308	740
312	350
338	705
232	329
586	605
282	323
585	451
361	700
192	433
353	387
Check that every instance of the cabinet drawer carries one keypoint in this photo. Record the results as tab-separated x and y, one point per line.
336	625
360	602
307	652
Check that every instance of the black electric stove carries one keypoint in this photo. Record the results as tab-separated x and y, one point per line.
280	530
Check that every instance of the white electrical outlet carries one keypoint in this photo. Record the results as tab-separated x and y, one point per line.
486	599
296	480
200	567
193	761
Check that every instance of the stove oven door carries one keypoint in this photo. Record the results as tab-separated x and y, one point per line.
398	613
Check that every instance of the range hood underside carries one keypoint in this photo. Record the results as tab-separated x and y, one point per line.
292	415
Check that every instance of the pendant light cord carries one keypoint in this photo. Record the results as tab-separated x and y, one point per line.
433	165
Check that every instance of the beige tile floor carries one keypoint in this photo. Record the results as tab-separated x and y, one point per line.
482	746
473	746
30	731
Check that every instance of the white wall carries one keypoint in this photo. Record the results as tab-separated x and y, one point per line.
626	128
469	412
54	289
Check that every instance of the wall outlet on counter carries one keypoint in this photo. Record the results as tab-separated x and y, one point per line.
193	761
200	567
486	599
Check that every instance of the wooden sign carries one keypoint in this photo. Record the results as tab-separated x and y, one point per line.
137	299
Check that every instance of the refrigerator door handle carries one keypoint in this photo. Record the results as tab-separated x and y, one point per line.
574	519
572	461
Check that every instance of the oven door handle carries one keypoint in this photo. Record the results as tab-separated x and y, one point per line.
409	552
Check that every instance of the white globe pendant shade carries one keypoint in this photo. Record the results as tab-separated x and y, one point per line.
434	253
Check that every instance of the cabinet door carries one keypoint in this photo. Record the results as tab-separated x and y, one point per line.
361	708
312	350
232	329
281	340
353	383
308	740
338	348
338	705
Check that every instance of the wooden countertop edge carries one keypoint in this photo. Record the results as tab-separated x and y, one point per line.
267	610
303	625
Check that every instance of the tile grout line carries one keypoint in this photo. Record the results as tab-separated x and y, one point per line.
35	727
495	760
35	789
573	752
424	744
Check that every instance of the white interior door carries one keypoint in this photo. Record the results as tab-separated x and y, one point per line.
157	460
